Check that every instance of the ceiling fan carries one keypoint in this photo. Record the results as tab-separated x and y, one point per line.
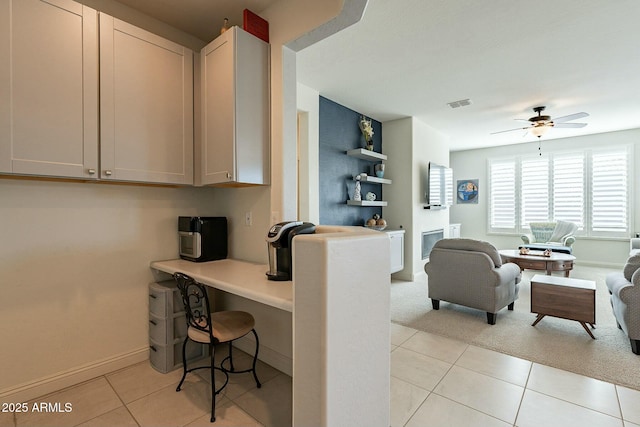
539	125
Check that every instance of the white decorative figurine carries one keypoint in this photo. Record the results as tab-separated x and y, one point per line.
357	194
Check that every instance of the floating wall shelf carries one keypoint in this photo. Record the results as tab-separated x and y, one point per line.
366	203
375	180
365	154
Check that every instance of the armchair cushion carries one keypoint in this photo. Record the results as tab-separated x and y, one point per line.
471	245
635	279
631	266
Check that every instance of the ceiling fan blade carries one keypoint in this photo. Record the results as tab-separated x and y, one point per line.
569	125
509	130
570	117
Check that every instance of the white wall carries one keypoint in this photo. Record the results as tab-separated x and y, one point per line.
288	20
410	145
74	270
309	153
472	164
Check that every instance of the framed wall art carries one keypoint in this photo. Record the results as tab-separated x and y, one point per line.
467	191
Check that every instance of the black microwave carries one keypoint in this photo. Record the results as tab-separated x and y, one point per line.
202	238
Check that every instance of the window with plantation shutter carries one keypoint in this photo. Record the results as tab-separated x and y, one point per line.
569	188
609	189
502	200
534	190
589	188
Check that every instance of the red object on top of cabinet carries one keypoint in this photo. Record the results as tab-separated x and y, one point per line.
255	25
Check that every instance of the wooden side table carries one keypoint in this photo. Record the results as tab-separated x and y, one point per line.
567	298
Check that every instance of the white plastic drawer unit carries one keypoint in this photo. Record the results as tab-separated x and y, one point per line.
168	328
165	330
166	358
164	299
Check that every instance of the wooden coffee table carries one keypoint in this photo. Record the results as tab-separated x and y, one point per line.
572	299
556	262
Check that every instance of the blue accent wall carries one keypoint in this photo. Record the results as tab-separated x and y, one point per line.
339	132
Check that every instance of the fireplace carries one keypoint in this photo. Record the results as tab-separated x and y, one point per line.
429	238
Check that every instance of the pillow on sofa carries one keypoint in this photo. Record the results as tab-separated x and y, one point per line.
632	265
542	231
563	229
472	245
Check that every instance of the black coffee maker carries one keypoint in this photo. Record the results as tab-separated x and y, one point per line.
279	240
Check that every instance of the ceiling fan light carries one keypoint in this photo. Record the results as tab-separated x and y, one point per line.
539	130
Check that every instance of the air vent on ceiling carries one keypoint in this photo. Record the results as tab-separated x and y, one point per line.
460	103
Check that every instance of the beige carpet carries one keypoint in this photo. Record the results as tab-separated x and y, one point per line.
554	342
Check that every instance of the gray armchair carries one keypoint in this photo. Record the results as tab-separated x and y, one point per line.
471	273
624	287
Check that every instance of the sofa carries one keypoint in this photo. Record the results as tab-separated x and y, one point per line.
624	287
471	273
557	236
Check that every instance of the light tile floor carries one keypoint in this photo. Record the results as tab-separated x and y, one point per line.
435	381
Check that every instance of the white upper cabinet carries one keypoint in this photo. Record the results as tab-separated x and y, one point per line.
146	106
48	88
234	149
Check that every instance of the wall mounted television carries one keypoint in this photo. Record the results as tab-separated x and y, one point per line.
439	194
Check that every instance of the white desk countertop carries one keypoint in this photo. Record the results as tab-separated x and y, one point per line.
240	278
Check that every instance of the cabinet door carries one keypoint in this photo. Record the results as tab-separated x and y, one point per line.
235	110
454	231
218	106
252	109
48	88
146	106
397	252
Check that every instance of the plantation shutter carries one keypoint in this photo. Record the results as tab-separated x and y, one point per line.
448	184
534	191
568	188
435	189
503	195
609	192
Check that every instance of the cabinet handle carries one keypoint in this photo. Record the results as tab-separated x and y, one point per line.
152	348
107	172
91	171
153	296
153	322
228	175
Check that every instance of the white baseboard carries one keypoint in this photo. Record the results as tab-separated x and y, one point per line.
401	275
419	276
409	276
266	354
31	390
600	264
